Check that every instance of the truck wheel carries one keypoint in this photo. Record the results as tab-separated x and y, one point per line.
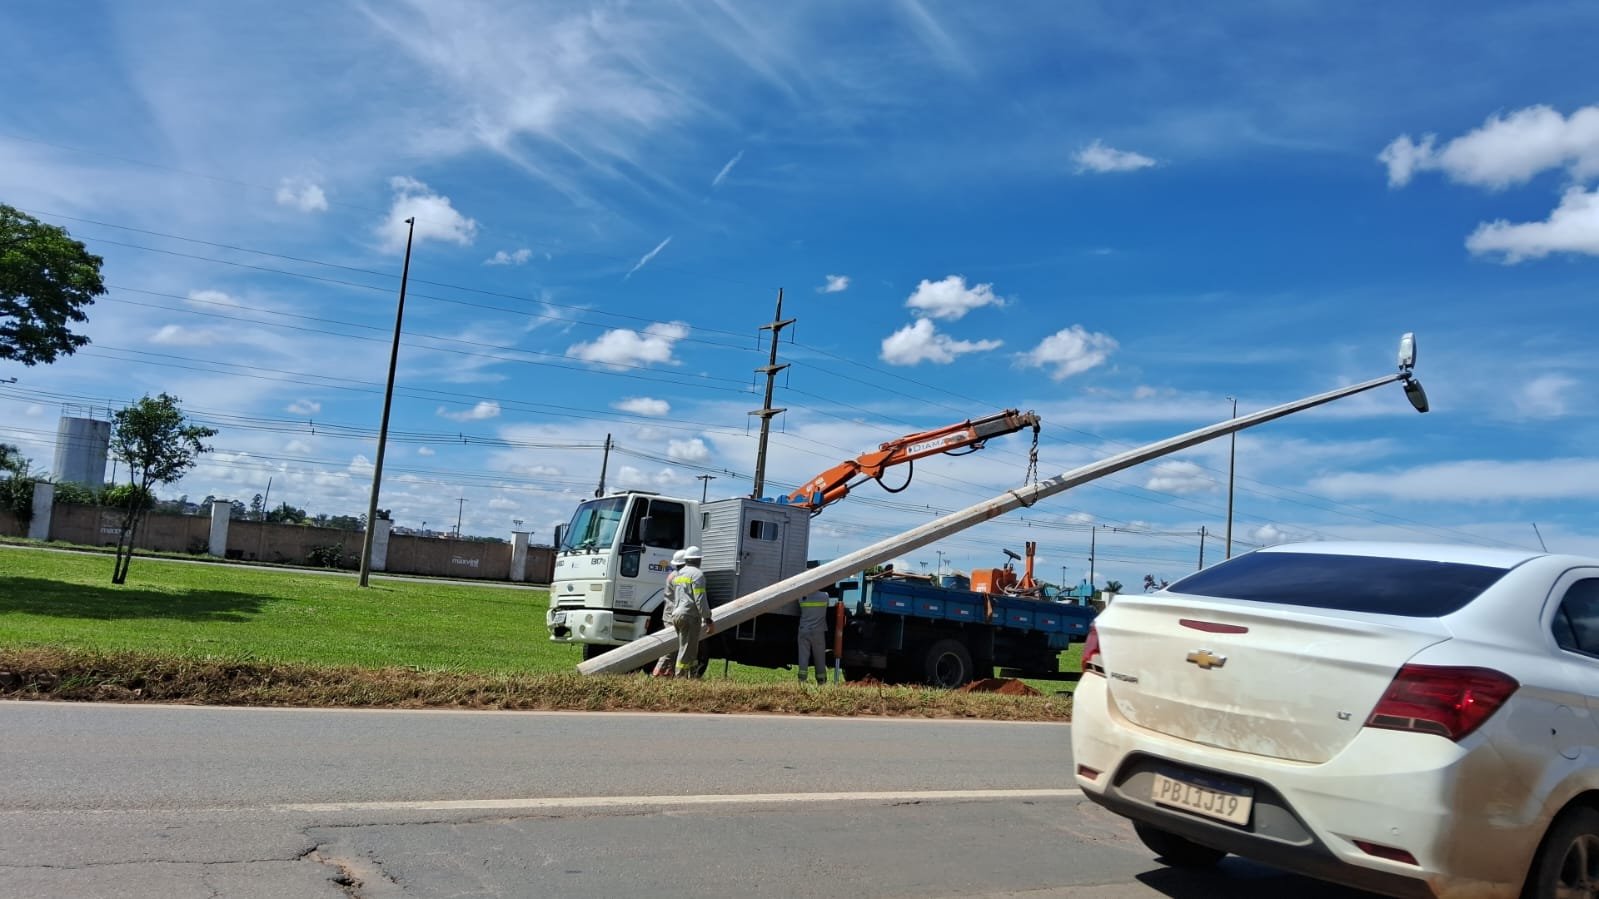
947	663
590	650
1174	850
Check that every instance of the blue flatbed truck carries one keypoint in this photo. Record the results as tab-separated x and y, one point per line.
902	630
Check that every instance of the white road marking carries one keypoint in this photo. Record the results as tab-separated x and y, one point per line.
587	802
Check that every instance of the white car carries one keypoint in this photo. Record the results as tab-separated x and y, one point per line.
1410	719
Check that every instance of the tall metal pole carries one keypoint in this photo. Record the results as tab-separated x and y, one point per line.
388	400
1201	548
460	506
1232	456
730	615
770	369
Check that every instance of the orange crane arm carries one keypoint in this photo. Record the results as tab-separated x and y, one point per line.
834	484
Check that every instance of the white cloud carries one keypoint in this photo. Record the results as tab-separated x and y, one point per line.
1098	158
515	257
623	348
34	411
481	412
643	405
951	298
1504	151
693	450
178	335
837	284
302	194
1472	480
1145	392
502	504
1069	352
921	342
1572	228
304	407
1545	396
426	451
645	259
436	218
1270	535
212	298
722	175
1180	478
297	447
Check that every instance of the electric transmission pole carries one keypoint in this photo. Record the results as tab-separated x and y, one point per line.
705	484
771	368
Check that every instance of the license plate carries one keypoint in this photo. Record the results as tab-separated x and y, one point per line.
559	618
1231	806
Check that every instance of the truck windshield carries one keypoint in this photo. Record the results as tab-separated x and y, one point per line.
594	525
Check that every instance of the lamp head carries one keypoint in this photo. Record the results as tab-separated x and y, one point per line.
1407	352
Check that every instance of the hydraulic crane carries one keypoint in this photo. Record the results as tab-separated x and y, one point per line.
834	484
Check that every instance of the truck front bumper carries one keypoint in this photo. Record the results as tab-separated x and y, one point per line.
594	626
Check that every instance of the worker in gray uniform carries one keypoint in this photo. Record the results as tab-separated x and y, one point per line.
663	666
813	635
692	613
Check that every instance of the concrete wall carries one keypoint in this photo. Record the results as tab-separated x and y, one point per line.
291	544
97	526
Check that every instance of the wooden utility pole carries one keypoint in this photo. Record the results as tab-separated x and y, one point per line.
770	369
1201	547
705	484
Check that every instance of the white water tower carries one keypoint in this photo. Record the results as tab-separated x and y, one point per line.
82	445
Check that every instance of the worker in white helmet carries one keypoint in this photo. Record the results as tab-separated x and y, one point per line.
813	635
663	666
691	614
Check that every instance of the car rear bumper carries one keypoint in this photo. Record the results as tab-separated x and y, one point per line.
1385	788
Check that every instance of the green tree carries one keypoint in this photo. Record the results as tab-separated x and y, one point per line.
287	514
46	280
160	446
257	507
16	484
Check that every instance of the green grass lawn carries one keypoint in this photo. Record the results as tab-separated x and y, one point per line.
68	600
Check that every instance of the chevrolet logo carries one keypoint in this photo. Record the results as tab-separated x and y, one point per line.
1206	659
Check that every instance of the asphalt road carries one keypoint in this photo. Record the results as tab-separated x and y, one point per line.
178	802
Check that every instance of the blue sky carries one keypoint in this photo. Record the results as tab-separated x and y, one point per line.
1118	216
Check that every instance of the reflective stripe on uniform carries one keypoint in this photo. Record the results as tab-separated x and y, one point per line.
814	605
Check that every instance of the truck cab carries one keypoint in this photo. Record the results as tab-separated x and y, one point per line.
610	566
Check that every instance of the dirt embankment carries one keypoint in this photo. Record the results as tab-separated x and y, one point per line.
131	677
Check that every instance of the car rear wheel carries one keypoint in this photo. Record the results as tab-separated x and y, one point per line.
1567	865
1177	851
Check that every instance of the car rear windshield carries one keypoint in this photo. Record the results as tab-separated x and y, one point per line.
1412	587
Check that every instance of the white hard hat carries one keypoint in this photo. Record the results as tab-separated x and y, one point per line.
678	557
692	552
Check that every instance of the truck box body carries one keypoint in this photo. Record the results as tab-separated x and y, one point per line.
749	545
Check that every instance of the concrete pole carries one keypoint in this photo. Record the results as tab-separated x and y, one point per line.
519	555
221	513
44	503
641	651
380	543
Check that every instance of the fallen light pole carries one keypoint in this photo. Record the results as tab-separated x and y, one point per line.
651	647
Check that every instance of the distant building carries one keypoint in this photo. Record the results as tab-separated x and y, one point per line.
82	445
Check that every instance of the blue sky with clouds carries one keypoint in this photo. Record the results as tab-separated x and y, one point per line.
1117	215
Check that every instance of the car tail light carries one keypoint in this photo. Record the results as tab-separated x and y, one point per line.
1449	702
1091	663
